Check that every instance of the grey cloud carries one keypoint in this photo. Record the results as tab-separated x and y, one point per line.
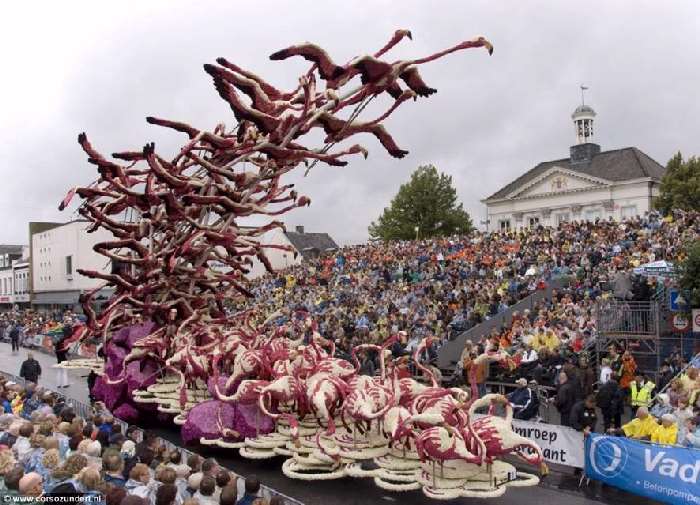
102	69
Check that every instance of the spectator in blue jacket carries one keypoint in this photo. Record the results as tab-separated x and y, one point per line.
524	401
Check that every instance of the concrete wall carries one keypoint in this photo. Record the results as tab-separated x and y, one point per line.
50	249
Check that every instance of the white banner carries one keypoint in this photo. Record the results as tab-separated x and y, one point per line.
559	444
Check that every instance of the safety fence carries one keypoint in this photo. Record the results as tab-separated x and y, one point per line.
86	411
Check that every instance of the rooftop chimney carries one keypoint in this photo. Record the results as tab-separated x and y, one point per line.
300	229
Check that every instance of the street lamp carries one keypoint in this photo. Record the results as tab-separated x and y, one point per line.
416	228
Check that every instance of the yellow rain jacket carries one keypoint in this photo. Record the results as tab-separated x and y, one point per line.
665	435
640	428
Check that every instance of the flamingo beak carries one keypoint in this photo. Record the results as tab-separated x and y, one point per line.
488	46
544	469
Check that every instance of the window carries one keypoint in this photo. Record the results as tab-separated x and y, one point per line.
593	214
533	221
562	218
628	211
69	265
504	224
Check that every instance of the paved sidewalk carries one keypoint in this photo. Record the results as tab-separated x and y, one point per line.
11	363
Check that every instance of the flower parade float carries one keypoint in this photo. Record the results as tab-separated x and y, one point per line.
238	379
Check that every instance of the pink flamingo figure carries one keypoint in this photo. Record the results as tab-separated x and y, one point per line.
498	436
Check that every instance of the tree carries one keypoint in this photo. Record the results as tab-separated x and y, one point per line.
680	186
425	206
689	278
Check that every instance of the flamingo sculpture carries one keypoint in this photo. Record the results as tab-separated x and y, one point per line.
498	436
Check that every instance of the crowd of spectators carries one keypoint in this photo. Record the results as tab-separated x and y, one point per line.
33	329
47	450
446	285
431	287
443	286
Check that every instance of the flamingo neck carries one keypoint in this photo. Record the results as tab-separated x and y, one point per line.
355	360
427	371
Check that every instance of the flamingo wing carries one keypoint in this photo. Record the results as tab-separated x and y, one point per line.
269	89
311	52
264	122
387	141
413	79
371	69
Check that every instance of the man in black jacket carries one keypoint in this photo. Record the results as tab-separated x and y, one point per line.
583	415
611	400
30	369
565	399
14	337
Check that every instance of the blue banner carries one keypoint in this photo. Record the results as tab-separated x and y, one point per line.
663	473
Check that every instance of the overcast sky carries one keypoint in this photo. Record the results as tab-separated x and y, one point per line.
101	67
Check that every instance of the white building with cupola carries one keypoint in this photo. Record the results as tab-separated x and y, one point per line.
590	184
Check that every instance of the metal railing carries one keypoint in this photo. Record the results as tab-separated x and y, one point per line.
677	376
85	411
627	318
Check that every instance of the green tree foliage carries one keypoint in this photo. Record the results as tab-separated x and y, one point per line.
690	273
428	201
680	186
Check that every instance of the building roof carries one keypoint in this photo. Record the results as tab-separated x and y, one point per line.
584	109
615	165
306	241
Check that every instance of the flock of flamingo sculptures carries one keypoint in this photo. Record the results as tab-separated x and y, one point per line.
179	252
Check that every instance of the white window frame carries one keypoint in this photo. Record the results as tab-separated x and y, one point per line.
625	215
562	217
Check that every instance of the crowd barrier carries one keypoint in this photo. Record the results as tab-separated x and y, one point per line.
668	474
85	410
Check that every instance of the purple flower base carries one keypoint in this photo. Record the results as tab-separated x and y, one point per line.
116	386
202	421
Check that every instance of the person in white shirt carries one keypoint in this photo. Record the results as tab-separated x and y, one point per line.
140	483
605	371
205	494
530	355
